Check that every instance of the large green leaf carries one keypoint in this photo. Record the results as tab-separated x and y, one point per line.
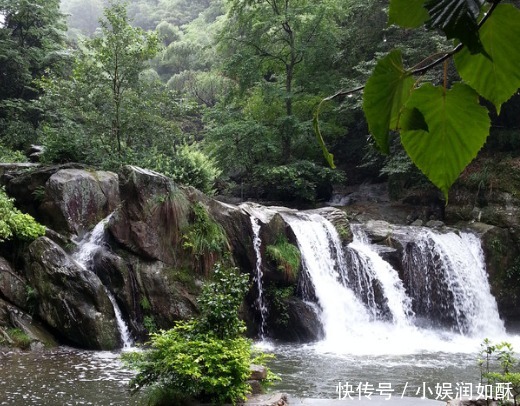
457	128
458	19
407	13
496	78
385	93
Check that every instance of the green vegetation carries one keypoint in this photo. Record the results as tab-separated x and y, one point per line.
14	337
221	95
14	223
204	238
504	354
434	121
205	358
286	256
277	297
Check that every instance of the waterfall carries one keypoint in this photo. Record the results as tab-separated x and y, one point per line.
342	313
258	275
84	255
371	268
446	276
367	306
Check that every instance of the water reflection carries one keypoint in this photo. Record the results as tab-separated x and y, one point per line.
64	377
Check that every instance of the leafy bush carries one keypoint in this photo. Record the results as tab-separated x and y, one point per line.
204	358
14	223
286	256
503	353
188	166
8	155
204	238
301	180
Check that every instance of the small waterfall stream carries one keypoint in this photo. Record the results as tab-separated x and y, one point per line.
258	275
84	255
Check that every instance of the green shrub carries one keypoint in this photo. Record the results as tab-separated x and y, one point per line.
205	358
187	166
286	256
14	337
504	354
301	180
14	223
8	155
204	238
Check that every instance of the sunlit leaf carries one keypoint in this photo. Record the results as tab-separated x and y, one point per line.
458	127
407	13
458	19
496	78
385	94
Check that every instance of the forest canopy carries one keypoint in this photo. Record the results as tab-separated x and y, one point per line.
223	94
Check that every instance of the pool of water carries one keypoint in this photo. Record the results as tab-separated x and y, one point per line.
64	376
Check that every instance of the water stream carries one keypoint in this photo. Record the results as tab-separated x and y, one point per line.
258	276
84	255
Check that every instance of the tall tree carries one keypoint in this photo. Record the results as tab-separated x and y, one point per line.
31	44
110	65
277	41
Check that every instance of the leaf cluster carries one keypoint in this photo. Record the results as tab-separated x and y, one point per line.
504	354
14	223
205	358
442	128
286	256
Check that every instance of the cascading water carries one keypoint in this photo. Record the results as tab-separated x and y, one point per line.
342	313
367	306
258	278
84	255
446	276
368	266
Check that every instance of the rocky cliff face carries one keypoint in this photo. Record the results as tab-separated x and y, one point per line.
149	265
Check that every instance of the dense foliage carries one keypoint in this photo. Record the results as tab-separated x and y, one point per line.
14	223
503	353
205	358
221	94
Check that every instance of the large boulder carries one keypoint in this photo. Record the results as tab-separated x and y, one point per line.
28	186
70	300
151	216
11	317
300	323
13	287
147	291
77	199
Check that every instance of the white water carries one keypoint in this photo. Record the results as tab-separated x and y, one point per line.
84	255
459	261
258	278
370	263
354	327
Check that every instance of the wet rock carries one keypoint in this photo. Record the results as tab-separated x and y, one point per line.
13	287
273	399
258	372
153	212
71	300
75	199
434	224
13	317
147	289
302	323
28	186
378	230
